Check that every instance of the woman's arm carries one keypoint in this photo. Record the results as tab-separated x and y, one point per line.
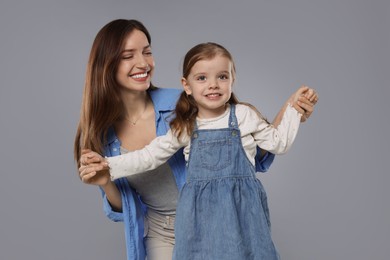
92	172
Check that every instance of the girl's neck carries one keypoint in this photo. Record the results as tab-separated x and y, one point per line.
209	114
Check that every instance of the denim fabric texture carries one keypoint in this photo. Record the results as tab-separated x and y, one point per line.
133	210
133	214
222	211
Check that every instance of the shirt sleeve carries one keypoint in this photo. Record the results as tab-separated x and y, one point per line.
263	163
146	159
275	140
109	211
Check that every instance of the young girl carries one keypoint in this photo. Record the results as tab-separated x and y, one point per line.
222	211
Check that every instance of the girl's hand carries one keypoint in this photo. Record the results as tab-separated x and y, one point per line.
305	103
93	168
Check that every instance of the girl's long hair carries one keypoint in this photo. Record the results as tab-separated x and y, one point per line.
186	108
101	103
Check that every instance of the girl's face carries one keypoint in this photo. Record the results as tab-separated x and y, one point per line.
210	83
136	66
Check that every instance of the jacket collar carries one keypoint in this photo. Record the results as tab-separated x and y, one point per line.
160	104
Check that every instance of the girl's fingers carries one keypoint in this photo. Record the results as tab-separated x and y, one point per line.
84	151
90	157
93	160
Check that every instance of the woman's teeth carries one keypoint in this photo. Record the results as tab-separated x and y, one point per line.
137	76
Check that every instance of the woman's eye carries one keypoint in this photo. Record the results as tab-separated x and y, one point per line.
127	57
148	53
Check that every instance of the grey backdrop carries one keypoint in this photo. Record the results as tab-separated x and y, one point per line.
329	196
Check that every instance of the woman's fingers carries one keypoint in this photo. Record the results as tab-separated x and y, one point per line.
305	103
298	108
86	172
87	177
312	96
306	108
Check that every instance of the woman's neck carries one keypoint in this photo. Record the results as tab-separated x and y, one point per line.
135	103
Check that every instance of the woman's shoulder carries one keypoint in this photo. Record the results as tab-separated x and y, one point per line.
165	98
165	92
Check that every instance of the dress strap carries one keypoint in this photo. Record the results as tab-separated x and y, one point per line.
232	117
195	125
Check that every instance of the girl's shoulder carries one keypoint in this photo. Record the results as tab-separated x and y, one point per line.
246	112
245	109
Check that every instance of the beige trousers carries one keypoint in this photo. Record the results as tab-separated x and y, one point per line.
160	237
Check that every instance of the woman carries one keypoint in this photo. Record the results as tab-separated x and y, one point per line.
122	111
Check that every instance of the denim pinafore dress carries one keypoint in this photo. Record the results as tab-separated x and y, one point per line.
222	212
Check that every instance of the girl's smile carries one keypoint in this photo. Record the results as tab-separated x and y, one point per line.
210	83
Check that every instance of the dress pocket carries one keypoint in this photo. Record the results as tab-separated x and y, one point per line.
215	155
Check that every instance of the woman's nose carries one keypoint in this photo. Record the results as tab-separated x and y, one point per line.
142	63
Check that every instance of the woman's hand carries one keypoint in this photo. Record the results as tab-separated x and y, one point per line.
93	168
304	100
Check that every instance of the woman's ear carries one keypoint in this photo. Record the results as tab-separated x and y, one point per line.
187	88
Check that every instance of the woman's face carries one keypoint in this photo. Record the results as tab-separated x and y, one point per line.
136	66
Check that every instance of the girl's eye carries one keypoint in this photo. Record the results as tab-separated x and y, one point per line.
201	78
224	77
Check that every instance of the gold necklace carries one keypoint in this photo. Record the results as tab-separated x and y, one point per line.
135	122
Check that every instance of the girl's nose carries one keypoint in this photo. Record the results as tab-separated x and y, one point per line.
214	84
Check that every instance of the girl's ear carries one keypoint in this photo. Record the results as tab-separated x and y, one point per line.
186	87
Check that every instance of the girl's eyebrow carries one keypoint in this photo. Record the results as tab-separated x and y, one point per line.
203	73
199	73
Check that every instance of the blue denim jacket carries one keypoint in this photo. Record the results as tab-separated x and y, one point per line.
133	210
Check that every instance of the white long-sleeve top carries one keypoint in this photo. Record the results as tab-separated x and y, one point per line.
254	131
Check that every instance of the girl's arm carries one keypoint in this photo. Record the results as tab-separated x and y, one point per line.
278	137
277	140
303	101
146	159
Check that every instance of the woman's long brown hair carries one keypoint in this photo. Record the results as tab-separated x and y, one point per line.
186	108
101	103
